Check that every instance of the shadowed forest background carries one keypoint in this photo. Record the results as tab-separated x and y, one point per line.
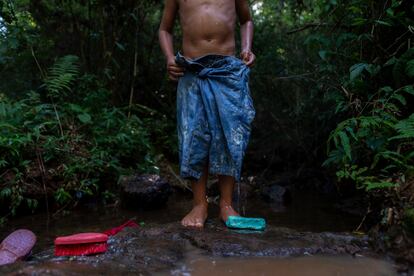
85	99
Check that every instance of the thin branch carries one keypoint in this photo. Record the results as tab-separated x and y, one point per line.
316	25
131	95
43	174
294	76
42	74
183	184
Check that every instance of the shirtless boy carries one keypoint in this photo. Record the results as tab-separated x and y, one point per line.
214	107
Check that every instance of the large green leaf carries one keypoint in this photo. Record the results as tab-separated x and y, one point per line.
409	69
84	118
345	143
356	70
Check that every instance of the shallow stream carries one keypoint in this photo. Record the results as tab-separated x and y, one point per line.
307	213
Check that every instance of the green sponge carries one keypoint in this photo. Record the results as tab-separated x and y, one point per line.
246	223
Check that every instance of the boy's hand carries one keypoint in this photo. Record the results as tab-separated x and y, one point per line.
174	70
248	57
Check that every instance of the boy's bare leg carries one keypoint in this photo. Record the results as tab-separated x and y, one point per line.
226	183
198	214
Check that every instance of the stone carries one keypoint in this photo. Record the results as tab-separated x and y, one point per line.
146	191
276	193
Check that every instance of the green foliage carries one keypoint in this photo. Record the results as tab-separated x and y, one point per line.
373	147
405	128
69	148
409	220
61	76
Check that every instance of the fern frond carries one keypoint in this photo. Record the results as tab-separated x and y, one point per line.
405	128
379	185
61	75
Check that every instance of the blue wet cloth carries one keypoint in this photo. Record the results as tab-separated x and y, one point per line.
214	115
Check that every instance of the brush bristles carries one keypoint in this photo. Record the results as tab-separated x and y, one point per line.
80	249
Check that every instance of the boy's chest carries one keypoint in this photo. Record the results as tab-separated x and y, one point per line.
206	4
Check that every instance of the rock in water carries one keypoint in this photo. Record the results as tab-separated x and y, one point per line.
276	194
146	191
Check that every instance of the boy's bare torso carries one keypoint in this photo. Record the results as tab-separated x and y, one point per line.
207	26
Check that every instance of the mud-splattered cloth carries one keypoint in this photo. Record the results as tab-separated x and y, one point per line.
214	115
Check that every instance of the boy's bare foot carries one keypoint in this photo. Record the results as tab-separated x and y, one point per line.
227	210
196	217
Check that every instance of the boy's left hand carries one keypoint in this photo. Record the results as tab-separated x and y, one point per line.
248	57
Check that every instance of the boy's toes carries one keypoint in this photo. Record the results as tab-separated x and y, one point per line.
226	211
185	222
195	223
198	223
196	217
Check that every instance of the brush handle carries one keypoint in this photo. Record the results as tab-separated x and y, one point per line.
116	230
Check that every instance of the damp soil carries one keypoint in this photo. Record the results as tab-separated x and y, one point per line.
307	237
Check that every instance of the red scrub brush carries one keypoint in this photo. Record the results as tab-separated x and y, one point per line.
87	243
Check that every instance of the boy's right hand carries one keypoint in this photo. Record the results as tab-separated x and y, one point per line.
174	70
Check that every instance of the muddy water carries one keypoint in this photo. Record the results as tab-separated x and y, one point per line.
92	218
301	266
306	213
198	264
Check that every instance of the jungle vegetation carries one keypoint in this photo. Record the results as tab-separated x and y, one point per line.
84	97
